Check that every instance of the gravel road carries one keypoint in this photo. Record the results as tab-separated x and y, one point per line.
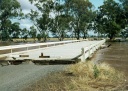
16	77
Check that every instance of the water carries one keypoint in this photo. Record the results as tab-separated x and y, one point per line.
116	55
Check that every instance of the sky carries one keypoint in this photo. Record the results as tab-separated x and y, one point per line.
26	7
97	3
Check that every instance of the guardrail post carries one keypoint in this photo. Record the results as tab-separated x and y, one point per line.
89	51
11	49
27	48
83	55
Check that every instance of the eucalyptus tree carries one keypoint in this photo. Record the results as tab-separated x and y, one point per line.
60	26
15	30
24	33
98	25
33	32
124	33
60	21
109	19
124	6
42	17
9	9
79	11
86	24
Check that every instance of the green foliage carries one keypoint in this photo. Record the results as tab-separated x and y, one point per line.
96	71
124	12
108	19
15	30
33	32
39	37
68	14
60	26
24	33
41	19
60	23
63	17
4	35
81	13
9	9
124	33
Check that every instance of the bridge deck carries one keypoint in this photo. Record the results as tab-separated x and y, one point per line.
59	52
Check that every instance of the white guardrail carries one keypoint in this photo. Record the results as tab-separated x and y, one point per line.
25	47
87	51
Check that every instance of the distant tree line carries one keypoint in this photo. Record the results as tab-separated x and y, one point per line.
62	18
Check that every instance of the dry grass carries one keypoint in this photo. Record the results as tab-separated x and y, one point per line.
32	40
107	77
48	39
83	77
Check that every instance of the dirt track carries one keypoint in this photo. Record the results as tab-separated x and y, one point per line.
16	77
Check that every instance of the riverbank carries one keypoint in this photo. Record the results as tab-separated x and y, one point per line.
116	55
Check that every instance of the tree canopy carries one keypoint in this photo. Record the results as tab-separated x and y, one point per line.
63	18
81	13
41	18
110	19
9	9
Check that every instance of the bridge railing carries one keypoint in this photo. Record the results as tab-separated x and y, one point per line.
25	47
87	51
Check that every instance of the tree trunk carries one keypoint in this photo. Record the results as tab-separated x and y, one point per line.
111	37
45	39
84	37
78	34
60	39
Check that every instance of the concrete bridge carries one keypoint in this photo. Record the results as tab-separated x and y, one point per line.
61	52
